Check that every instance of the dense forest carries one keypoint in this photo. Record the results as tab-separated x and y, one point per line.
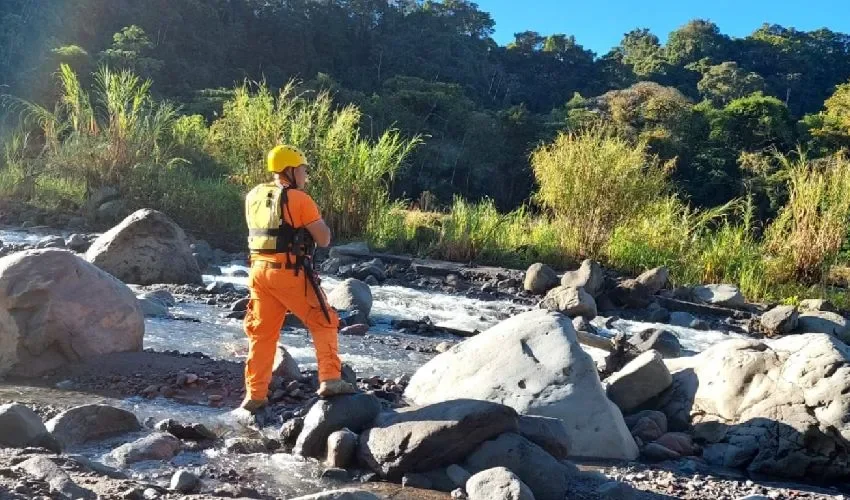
703	99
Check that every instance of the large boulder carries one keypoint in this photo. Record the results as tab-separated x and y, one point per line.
548	433
91	422
497	483
534	363
20	427
157	446
780	320
720	295
654	280
589	277
779	408
438	435
570	301
640	380
824	322
539	279
354	412
57	308
352	295
146	248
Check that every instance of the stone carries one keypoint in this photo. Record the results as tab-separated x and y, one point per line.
657	314
458	475
630	293
290	430
497	483
589	277
658	453
44	469
285	365
442	347
547	478
354	249
648	425
534	363
191	432
342	445
539	279
153	309
355	330
51	242
824	322
654	280
203	253
729	455
146	248
548	433
346	494
615	490
93	422
570	301
350	295
679	442
162	296
240	305
783	404
640	380
355	412
817	305
414	480
683	319
56	308
720	295
437	435
245	446
663	341
157	446
184	482
20	427
780	320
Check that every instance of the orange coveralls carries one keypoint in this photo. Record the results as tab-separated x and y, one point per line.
276	290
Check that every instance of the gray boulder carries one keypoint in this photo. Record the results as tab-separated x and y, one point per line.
663	341
780	320
184	481
438	435
146	248
285	365
153	308
157	446
548	433
20	427
539	279
497	483
534	363
44	469
654	280
341	448
589	277
77	243
683	319
51	242
85	423
817	305
720	295
355	412
824	322
640	380
162	296
648	425
570	301
351	295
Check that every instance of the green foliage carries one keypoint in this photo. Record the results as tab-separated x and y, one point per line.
725	82
130	50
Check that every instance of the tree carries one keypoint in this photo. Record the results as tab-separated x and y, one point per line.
696	40
643	52
725	82
754	123
130	49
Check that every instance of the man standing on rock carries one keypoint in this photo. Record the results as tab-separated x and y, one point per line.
284	227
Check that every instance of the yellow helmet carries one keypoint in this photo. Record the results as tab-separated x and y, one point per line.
282	157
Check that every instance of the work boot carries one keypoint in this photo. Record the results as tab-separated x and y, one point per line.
335	387
253	405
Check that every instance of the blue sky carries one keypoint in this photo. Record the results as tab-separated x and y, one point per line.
599	25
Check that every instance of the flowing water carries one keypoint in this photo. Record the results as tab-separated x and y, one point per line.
382	353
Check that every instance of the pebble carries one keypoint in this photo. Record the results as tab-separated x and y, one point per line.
150	494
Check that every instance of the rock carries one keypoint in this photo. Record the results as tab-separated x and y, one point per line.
162	296
103	470
589	277
423	439
111	211
679	442
570	301
191	432
240	305
786	401
647	425
539	279
330	266
203	253
184	482
659	453
351	295
497	483
720	295
51	242
663	341
639	381
355	249
44	469
657	314
630	293
153	309
335	474
341	448
347	494
458	475
817	305
57	308
458	494
413	480
146	248
683	319
355	412
780	320
20	427
77	243
824	322
730	455
654	280
348	374
547	478
245	446
615	490
290	430
548	433
534	363
355	330
157	446
85	423
374	269
285	365
699	324
442	347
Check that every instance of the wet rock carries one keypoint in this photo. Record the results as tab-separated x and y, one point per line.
77	243
780	320
720	295
824	322
423	439
203	253
647	425
220	288
539	279
240	305
245	446
534	363
164	297
146	248
362	271
157	446
153	309
683	319
51	242
57	308
458	475
352	294
341	447
285	365
348	374
548	433
20	427
663	341
497	483
355	412
290	430
346	494
615	490
547	478
570	301
90	423
184	482
98	467
588	277
639	381
657	314
817	305
44	469
355	330
191	432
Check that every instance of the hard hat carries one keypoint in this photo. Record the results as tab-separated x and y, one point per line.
282	157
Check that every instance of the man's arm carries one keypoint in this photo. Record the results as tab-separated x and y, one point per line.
320	232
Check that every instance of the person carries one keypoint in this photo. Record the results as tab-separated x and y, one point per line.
284	226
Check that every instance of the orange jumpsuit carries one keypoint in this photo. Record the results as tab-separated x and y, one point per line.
276	290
